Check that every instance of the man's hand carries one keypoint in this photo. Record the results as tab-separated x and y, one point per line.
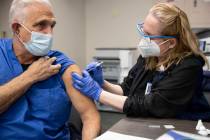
43	68
37	71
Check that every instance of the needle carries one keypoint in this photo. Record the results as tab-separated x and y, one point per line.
98	64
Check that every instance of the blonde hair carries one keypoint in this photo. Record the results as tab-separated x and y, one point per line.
175	23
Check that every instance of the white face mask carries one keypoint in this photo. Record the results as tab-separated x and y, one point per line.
39	44
149	48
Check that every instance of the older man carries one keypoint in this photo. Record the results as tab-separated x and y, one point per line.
35	83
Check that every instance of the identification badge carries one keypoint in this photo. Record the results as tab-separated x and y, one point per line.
148	88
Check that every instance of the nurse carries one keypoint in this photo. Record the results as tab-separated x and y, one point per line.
166	80
36	94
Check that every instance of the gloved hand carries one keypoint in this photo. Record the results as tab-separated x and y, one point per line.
96	72
86	85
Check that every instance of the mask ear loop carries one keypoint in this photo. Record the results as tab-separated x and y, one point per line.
163	42
25	28
19	38
18	35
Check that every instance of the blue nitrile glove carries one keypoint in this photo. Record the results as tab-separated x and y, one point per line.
86	85
96	72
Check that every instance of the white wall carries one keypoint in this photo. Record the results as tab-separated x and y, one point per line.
112	23
69	34
70	29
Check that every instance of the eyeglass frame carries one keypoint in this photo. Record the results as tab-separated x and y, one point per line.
142	33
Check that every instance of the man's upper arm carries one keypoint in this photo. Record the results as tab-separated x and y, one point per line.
80	102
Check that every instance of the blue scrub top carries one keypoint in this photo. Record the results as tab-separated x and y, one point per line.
42	112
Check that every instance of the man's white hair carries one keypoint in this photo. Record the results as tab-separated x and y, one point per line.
17	13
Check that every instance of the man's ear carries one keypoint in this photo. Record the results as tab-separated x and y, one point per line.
15	27
172	42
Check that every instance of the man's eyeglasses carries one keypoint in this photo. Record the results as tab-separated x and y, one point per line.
149	37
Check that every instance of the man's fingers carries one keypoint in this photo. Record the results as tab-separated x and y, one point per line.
46	57
55	67
51	60
55	71
41	59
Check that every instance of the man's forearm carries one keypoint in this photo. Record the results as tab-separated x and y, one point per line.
91	126
14	89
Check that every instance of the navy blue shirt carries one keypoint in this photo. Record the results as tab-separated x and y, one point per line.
42	112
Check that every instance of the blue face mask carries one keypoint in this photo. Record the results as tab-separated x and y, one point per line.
39	44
